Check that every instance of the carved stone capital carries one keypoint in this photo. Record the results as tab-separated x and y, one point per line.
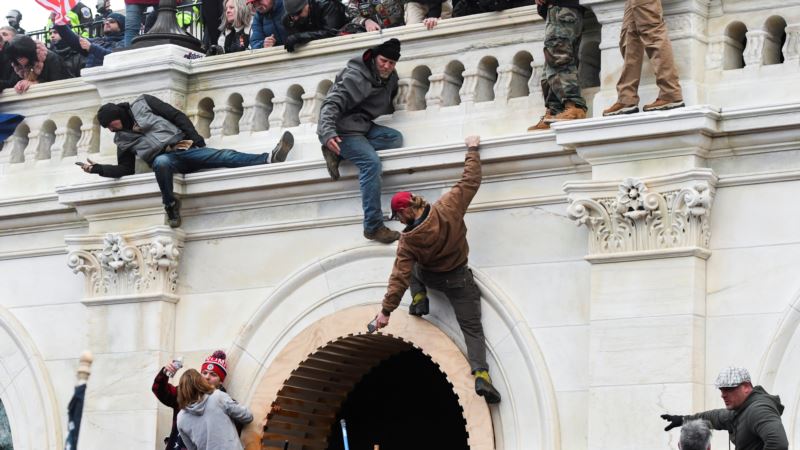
127	265
638	220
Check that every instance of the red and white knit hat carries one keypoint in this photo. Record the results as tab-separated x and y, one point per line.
217	364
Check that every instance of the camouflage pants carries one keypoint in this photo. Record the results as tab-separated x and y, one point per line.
562	38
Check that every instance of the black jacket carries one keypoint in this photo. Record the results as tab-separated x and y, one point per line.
325	19
74	60
7	75
755	425
126	160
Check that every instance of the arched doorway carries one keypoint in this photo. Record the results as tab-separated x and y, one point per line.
389	392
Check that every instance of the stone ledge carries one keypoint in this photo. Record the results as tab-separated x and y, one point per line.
649	254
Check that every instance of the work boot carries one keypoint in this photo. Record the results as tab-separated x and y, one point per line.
484	388
663	105
174	214
571	112
419	304
543	122
282	148
332	162
382	235
618	109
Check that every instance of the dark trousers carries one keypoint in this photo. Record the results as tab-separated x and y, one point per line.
168	164
459	287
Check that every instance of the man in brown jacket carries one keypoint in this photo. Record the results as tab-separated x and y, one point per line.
432	253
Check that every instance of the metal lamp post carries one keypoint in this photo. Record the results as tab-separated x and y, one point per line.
166	30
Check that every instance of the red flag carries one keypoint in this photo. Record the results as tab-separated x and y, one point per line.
60	7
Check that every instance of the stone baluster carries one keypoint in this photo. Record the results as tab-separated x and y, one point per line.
511	82
278	110
218	124
59	141
754	51
401	100
791	49
230	125
715	52
312	102
88	141
443	90
33	146
478	85
246	124
291	111
535	80
15	149
261	114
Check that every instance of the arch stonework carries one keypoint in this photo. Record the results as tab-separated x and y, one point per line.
26	390
336	296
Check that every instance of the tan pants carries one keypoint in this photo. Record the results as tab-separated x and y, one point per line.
415	12
643	29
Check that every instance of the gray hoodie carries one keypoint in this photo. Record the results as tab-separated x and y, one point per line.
207	424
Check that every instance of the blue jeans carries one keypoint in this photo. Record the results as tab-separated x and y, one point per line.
134	14
166	165
361	150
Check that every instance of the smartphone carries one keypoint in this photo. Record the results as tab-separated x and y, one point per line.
79	164
372	326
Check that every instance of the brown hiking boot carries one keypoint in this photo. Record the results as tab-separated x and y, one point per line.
663	105
542	125
382	235
331	163
618	109
571	112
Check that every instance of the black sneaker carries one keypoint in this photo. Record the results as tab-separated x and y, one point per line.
282	148
420	308
174	214
332	163
486	390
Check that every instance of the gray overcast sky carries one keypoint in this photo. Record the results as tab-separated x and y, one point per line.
34	16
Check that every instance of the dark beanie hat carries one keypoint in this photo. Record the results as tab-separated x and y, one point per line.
389	49
119	18
293	7
22	45
109	113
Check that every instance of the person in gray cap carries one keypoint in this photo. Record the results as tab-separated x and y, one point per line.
362	92
695	435
751	416
309	20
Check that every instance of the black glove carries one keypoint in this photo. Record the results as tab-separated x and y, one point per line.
290	42
674	421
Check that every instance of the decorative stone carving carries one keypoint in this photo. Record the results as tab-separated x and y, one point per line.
715	52
312	102
754	51
535	80
217	125
443	90
478	86
400	100
278	109
511	82
640	220
791	49
127	266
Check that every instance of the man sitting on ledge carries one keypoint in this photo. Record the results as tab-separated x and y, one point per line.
164	138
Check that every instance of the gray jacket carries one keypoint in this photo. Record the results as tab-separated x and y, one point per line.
156	133
207	425
755	425
357	97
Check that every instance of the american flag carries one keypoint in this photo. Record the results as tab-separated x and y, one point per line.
60	7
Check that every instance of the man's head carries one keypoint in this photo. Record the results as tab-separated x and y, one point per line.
114	23
386	56
55	38
102	6
14	17
734	385
695	435
406	207
8	33
22	49
110	116
215	369
296	9
260	6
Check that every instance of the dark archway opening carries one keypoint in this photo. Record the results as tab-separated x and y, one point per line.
404	402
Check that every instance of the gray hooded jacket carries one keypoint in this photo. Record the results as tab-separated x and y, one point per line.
207	425
357	97
755	425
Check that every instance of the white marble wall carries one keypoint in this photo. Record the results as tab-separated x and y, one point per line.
584	343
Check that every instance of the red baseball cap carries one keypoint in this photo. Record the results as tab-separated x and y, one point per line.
401	200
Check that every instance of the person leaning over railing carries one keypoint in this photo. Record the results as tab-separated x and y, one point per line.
428	12
309	20
97	48
235	29
267	28
369	15
33	63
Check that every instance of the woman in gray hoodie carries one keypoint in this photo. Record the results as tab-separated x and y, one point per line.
206	418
